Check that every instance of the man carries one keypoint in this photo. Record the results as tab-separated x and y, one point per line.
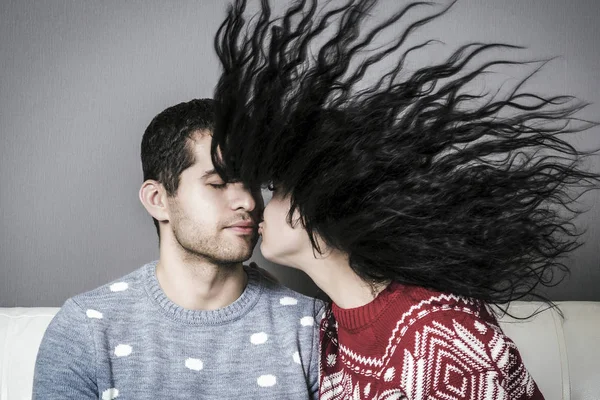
196	323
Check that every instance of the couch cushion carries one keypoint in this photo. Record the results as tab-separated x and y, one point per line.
582	338
21	331
560	353
540	341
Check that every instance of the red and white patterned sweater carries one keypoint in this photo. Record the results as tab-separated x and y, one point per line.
417	344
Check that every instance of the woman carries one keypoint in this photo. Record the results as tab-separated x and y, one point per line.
414	201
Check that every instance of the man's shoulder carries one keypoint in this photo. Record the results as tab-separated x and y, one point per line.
79	314
119	292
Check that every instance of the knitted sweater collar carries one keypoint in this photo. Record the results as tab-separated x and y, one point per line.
361	317
232	312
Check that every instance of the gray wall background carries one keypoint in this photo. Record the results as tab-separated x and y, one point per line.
80	80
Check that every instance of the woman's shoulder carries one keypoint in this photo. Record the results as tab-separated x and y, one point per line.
446	335
468	348
413	307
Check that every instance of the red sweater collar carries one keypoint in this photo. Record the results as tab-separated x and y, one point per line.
361	317
396	298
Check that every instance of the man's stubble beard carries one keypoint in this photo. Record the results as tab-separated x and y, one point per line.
213	247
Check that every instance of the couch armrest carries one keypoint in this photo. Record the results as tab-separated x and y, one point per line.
21	332
560	353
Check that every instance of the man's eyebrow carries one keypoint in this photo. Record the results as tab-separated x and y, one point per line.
208	173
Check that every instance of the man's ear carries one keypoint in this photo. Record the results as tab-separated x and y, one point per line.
154	198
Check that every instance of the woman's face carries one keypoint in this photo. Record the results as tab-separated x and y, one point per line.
281	242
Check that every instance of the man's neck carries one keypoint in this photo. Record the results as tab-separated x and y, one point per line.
197	284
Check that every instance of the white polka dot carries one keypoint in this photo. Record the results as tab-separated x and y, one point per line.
266	380
194	364
480	327
110	394
296	357
331	359
259	338
119	286
307	321
389	374
94	314
123	350
288	301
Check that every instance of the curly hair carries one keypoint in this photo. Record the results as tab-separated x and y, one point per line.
417	178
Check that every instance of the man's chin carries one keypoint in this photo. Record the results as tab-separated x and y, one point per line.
231	259
239	257
237	250
249	242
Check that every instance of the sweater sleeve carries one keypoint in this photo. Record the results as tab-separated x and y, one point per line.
66	363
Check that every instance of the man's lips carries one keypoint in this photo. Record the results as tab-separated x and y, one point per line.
244	224
244	227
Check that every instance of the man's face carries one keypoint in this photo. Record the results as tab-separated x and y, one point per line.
211	219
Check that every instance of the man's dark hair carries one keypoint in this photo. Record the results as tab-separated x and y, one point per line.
165	145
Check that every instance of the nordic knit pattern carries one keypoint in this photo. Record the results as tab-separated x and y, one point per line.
127	340
416	344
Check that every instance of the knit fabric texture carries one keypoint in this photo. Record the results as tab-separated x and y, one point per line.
417	344
127	340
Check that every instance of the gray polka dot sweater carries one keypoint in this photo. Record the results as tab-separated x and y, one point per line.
127	340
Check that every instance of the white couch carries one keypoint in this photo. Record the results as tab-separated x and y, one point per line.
562	355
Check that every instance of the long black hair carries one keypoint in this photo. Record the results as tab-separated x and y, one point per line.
417	178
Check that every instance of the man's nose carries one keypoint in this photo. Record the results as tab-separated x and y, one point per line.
242	198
